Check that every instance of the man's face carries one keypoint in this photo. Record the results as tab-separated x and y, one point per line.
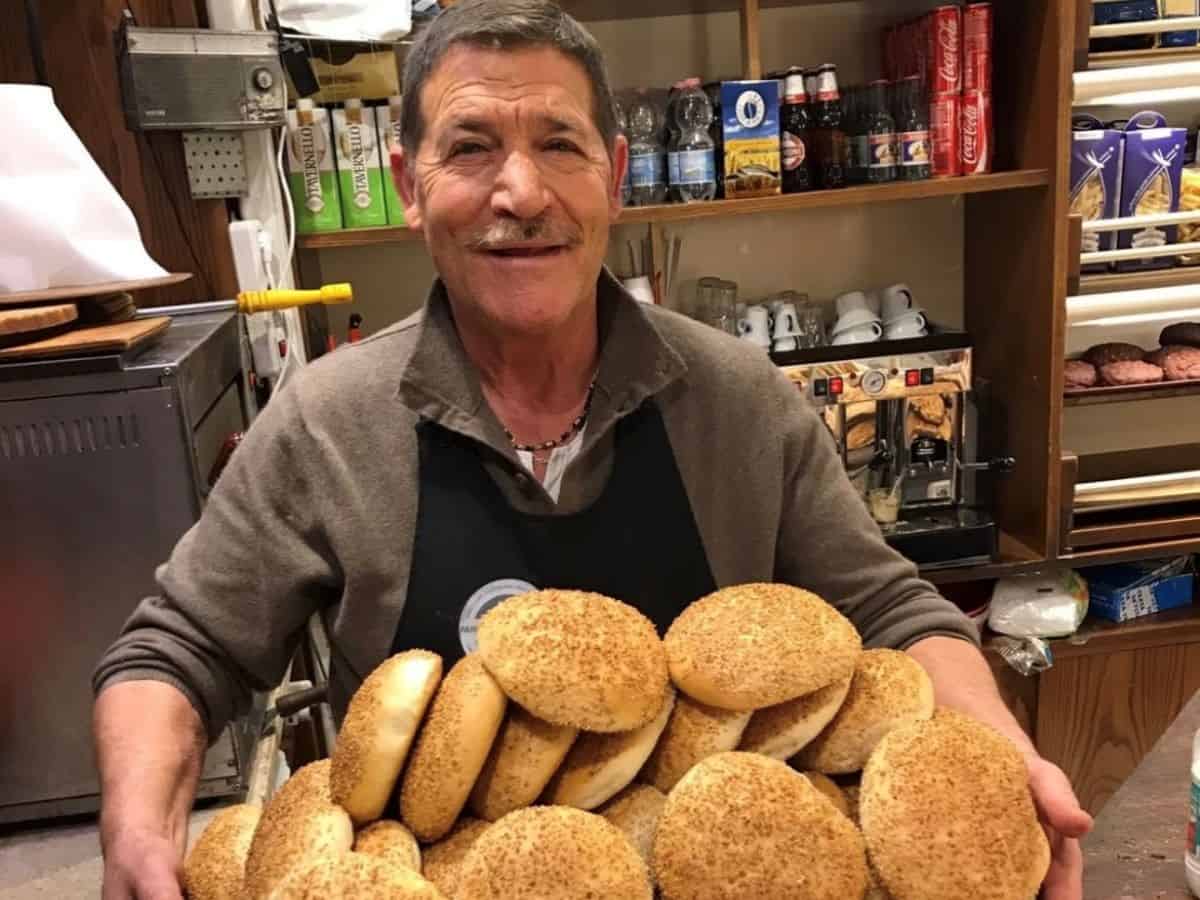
512	184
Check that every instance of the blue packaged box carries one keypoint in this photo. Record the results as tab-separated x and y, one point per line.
750	126
1095	181
1173	9
1151	169
1126	591
1114	12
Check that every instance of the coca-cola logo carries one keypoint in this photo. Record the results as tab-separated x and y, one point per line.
947	38
970	131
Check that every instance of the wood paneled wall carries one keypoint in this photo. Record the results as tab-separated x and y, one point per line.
182	234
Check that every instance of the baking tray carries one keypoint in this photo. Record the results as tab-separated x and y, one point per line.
1109	393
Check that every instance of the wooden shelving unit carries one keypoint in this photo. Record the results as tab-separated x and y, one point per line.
1132	392
724	209
1105	282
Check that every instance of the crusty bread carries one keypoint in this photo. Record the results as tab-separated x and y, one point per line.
783	730
451	748
694	732
216	866
577	659
553	853
524	757
947	813
636	811
755	645
600	765
830	789
442	862
381	721
889	689
744	825
391	842
299	825
355	876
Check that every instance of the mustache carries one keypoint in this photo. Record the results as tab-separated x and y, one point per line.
516	231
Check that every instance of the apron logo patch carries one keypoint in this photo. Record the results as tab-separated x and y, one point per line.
491	594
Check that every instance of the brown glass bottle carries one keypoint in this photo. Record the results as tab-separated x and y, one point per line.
829	140
794	134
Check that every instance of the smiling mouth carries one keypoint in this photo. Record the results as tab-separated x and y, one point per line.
525	252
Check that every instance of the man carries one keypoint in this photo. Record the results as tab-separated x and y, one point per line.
534	426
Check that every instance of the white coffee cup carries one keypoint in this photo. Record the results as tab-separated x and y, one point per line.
755	326
784	344
862	334
904	328
640	288
854	300
875	301
855	318
896	299
904	318
786	322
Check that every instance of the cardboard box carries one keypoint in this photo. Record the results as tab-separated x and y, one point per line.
387	120
1151	168
750	125
360	178
1126	591
312	177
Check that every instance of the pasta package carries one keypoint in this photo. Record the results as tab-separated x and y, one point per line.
1174	9
1095	188
1151	171
1189	201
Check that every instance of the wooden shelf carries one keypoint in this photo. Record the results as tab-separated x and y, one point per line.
593	10
1131	552
1127	393
1108	282
1120	58
685	212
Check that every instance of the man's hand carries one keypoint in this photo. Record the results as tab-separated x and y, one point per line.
1065	822
140	864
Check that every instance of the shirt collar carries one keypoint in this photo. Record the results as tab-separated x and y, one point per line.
636	361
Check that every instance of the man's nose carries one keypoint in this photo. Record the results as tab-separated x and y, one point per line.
519	191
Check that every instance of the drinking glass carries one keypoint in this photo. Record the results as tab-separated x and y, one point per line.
812	327
725	307
706	289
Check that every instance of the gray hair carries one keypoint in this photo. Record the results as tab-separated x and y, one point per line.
503	25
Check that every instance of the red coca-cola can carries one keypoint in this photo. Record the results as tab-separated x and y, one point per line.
944	55
977	47
976	141
944	133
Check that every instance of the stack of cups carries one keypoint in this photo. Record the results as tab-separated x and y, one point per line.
902	319
858	320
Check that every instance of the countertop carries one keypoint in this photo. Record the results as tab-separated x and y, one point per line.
1136	850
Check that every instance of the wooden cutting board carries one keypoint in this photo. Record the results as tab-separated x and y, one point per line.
98	339
91	290
22	321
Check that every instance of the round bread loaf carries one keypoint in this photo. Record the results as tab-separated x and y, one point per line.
755	645
1178	362
694	732
947	814
783	730
1186	333
1130	372
442	862
453	745
600	765
381	721
553	853
745	825
391	842
216	866
355	876
830	789
299	825
889	689
1079	373
576	659
1103	354
636	811
525	756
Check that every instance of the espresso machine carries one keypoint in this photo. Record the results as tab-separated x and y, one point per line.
903	418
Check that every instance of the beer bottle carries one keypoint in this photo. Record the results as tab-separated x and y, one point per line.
829	141
795	136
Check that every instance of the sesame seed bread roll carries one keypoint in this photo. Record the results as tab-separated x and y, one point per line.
355	876
381	722
694	732
576	659
947	813
525	756
451	748
391	842
783	730
600	765
298	826
553	853
636	811
830	789
889	689
754	645
216	866
741	825
442	862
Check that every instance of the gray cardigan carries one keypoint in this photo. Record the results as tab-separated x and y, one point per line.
316	509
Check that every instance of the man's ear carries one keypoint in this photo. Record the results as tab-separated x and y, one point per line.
406	187
620	162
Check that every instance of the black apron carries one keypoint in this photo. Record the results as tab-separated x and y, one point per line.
638	542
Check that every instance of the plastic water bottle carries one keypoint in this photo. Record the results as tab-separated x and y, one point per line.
647	161
1191	859
623	127
691	162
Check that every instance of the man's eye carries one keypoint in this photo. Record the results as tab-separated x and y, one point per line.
561	146
467	148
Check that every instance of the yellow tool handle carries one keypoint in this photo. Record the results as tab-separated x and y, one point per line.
266	301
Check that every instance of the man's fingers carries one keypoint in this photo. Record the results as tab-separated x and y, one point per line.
1056	802
1064	880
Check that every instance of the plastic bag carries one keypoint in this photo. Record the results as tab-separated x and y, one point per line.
1051	605
347	20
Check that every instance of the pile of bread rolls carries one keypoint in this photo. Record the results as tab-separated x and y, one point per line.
576	755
